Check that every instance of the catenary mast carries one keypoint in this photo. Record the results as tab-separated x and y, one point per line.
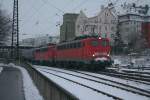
15	31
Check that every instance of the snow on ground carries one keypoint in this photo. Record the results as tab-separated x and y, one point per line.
80	92
2	64
143	71
30	90
128	82
108	89
125	61
131	83
1	69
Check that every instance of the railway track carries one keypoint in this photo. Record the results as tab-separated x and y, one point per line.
128	77
104	93
145	75
104	81
118	83
139	73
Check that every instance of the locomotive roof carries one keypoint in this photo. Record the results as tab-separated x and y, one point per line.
78	40
45	46
73	41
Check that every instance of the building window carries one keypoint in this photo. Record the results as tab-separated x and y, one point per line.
96	21
99	28
100	20
113	21
112	28
127	23
106	14
86	27
134	22
106	28
78	27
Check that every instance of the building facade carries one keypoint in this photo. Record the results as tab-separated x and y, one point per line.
130	22
67	29
104	24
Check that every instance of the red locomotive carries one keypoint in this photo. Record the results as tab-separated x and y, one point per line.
45	54
92	53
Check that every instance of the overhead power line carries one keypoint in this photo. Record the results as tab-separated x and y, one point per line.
46	2
49	4
82	3
1	2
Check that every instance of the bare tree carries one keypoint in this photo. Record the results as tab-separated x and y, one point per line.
5	28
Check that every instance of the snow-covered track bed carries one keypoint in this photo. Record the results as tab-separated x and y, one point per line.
96	83
121	85
133	77
71	80
142	73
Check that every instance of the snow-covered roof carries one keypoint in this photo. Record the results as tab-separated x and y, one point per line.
127	7
82	14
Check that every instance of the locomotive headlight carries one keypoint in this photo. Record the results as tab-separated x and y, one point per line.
108	54
99	38
93	55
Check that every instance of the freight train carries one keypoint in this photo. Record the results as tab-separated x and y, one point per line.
89	53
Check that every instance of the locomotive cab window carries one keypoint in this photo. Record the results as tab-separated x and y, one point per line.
104	43
94	43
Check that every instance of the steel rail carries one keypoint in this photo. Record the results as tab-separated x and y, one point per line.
146	93
104	93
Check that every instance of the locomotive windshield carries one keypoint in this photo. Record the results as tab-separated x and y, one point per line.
104	43
94	43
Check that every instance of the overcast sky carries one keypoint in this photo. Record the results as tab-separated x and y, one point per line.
40	17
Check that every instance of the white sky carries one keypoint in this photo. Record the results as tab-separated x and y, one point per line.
38	17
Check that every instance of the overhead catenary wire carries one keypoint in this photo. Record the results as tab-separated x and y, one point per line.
45	2
34	12
82	3
60	10
1	2
37	12
52	5
49	4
